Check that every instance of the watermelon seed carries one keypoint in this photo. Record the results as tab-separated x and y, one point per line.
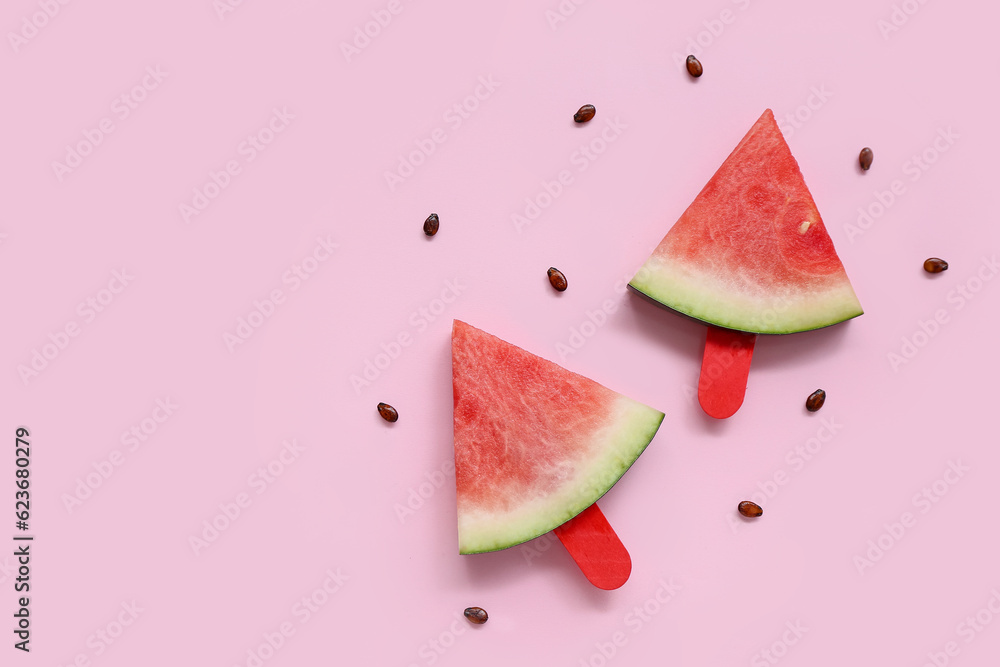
694	67
586	112
815	400
935	265
477	615
388	412
431	224
557	279
750	509
865	158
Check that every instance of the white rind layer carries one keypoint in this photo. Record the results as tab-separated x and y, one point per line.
732	304
618	444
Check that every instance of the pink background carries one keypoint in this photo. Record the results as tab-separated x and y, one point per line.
336	506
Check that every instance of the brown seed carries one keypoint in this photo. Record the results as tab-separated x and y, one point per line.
477	615
750	509
557	279
694	67
586	112
865	158
431	224
388	412
815	400
935	265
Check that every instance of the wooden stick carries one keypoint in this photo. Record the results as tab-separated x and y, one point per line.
594	545
724	371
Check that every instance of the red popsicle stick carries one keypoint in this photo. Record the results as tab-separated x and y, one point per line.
724	371
594	545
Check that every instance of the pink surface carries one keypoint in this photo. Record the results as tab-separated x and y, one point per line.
293	139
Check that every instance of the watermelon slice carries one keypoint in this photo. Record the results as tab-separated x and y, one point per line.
535	445
751	252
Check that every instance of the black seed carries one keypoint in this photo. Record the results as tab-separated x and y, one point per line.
557	279
388	412
431	224
694	67
935	265
865	158
815	400
586	112
477	615
749	509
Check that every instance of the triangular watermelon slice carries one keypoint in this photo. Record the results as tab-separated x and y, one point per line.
535	444
751	252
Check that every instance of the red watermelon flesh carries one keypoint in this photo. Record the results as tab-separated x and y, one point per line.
751	252
535	444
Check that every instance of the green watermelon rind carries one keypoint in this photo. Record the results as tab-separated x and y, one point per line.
624	438
778	314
